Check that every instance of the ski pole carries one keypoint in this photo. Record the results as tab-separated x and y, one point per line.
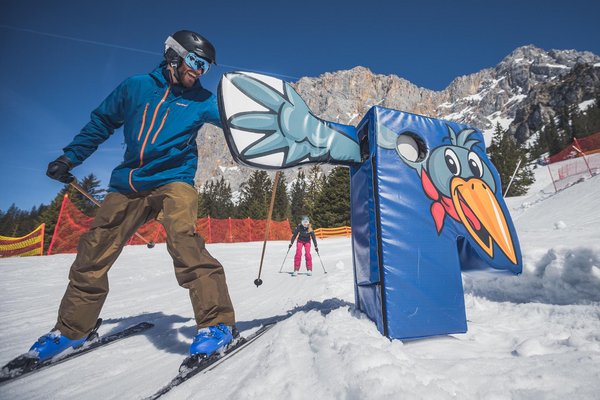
321	261
258	281
93	200
285	258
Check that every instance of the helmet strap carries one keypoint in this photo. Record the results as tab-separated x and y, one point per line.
173	60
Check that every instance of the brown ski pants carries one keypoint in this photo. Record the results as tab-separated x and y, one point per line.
117	220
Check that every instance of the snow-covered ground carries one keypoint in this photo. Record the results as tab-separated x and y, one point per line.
534	336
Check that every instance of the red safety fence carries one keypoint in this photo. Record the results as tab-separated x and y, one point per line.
576	161
72	223
31	244
587	145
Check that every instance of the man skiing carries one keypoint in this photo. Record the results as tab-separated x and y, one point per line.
304	233
161	113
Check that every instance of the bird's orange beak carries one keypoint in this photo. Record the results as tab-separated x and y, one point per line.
480	212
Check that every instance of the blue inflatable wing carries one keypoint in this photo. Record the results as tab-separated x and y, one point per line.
267	125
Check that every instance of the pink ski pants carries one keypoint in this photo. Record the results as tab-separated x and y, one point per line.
298	256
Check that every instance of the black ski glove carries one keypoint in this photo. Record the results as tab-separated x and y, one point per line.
316	249
59	170
290	246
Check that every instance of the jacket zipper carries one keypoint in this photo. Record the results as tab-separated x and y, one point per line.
160	127
143	121
147	134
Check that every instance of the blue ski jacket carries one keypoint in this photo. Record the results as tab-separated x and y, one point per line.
160	124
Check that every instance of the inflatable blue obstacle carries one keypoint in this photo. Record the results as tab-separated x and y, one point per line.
426	201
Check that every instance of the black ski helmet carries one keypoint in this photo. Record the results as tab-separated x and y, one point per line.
179	44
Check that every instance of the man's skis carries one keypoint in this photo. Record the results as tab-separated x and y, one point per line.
194	365
26	364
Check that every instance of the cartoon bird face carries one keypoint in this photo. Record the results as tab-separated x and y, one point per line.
460	184
447	164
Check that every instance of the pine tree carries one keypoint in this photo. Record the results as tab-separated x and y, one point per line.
202	206
91	185
281	207
593	117
554	138
206	200
31	219
255	196
565	127
9	221
579	123
333	207
224	199
16	222
549	141
297	199
587	122
314	185
215	200
505	155
540	146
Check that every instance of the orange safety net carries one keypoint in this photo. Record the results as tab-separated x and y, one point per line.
568	172
323	233
579	159
31	244
72	223
576	161
586	145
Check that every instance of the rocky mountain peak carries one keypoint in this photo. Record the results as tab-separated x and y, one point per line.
521	93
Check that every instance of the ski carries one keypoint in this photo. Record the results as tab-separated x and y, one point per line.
25	364
194	365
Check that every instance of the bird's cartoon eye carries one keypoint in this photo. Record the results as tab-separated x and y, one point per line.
475	165
452	162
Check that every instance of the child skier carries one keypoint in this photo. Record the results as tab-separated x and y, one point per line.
304	232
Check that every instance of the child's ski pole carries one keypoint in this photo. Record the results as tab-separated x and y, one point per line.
285	258
321	261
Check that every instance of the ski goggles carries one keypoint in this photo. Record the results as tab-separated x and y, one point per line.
194	61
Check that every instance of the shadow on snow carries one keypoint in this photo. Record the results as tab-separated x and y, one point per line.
166	335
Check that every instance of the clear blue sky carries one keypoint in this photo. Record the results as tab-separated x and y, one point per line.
60	59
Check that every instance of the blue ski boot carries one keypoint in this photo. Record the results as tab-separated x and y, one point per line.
210	340
52	344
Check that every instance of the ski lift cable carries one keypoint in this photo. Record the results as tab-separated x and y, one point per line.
116	46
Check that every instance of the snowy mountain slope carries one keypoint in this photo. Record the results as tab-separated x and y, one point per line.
531	336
